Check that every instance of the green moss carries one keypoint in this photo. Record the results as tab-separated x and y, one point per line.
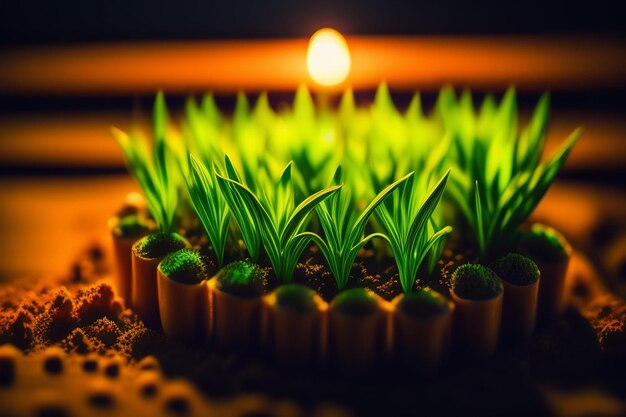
545	244
516	269
356	302
131	225
296	298
423	303
242	278
159	244
184	266
476	282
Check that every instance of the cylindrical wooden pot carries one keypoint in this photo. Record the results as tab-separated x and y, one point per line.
235	320
420	343
144	290
357	343
122	246
123	266
182	309
476	325
144	293
551	297
519	310
291	337
551	252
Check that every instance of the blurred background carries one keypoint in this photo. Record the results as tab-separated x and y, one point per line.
71	69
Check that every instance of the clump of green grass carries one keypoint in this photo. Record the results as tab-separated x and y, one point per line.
308	138
476	282
406	223
246	220
159	244
344	227
545	244
281	221
516	269
185	266
156	171
499	166
235	175
209	205
242	278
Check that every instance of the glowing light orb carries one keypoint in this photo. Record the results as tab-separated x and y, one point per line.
328	57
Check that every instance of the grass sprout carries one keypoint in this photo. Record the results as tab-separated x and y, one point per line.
253	177
156	171
344	227
274	213
406	223
500	179
208	204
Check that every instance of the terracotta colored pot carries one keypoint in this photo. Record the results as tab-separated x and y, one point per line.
144	293
551	298
358	343
519	310
182	309
552	261
476	326
294	339
235	321
420	343
123	266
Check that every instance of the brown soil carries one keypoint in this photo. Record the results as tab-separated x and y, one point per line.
378	275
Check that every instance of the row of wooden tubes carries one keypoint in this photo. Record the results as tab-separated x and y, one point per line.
202	313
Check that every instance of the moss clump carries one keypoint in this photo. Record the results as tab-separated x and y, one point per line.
157	245
184	266
356	302
131	225
296	298
424	303
516	269
242	278
545	244
476	282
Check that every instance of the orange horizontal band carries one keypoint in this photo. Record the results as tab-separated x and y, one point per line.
406	63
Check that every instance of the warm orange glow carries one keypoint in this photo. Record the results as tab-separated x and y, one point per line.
227	66
328	57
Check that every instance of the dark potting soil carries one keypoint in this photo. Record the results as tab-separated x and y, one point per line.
378	273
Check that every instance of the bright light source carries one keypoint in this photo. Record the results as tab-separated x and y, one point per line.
328	57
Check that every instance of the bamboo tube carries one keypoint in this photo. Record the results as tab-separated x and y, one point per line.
235	320
182	309
123	266
144	294
551	252
476	325
122	243
420	343
551	297
294	338
357	342
519	310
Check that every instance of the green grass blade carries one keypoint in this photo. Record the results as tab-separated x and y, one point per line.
303	209
427	209
359	224
480	227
